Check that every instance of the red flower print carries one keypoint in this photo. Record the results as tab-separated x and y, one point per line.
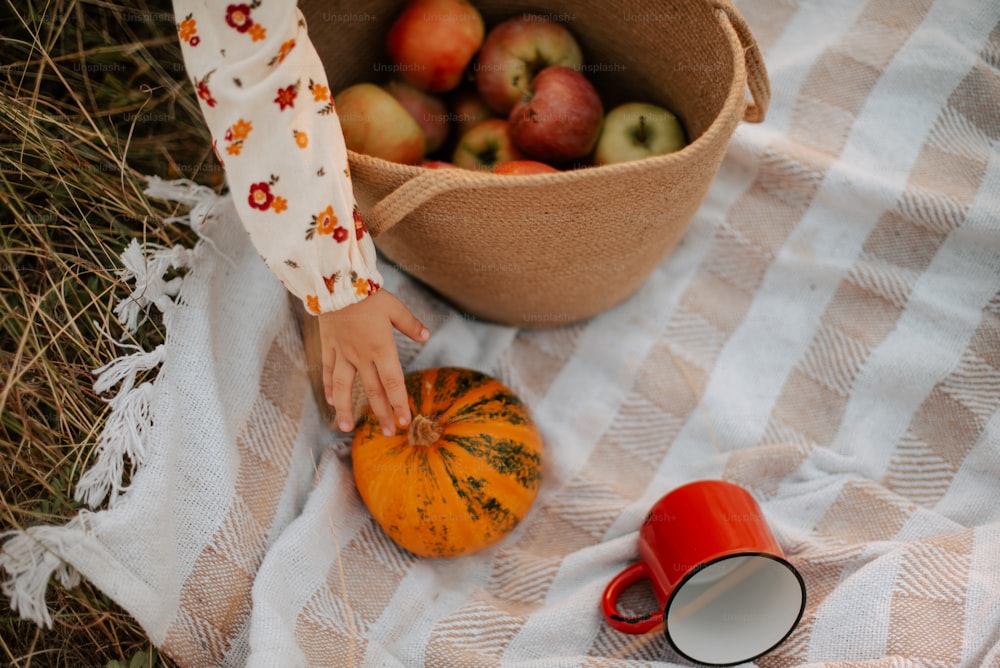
373	287
194	41
260	196
330	281
215	149
238	16
205	94
286	97
359	224
340	235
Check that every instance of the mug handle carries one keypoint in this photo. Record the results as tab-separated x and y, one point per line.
609	603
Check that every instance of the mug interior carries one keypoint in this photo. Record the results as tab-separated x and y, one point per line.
735	608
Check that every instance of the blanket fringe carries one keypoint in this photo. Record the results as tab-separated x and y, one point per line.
124	369
199	199
123	435
31	558
150	285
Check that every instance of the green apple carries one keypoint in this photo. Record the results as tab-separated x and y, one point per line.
485	146
637	130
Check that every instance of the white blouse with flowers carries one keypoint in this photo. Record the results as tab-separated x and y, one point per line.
265	97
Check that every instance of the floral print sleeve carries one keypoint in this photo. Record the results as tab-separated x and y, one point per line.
270	111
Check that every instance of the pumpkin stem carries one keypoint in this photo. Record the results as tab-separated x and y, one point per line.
424	431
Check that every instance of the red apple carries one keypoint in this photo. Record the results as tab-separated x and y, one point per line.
523	167
486	145
437	164
375	124
432	42
559	118
468	109
427	109
517	49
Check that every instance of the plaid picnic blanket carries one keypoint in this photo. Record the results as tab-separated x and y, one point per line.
827	335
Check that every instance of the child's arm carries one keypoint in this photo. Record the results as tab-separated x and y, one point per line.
265	97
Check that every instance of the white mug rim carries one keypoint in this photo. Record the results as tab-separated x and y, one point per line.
698	568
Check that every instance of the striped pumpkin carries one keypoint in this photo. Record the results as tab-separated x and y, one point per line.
462	475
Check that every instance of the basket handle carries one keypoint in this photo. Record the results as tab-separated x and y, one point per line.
405	199
757	79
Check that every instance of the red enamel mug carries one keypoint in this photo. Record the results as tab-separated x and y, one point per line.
725	590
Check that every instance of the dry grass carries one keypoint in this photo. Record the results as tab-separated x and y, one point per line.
94	96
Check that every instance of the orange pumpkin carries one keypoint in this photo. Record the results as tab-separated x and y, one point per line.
464	472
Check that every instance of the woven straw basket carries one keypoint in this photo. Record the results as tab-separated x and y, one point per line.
551	249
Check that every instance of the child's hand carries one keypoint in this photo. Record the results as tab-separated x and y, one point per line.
358	339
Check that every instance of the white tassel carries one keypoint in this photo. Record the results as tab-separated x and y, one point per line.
150	286
128	310
200	200
30	558
196	197
124	369
123	437
202	205
147	268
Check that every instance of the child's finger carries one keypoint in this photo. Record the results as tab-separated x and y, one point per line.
372	385
329	360
391	376
341	383
407	323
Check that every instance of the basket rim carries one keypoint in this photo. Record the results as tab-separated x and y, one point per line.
734	106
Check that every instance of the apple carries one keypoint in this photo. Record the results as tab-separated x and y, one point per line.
375	124
468	109
523	167
432	42
637	130
517	49
437	164
427	109
559	118
486	145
